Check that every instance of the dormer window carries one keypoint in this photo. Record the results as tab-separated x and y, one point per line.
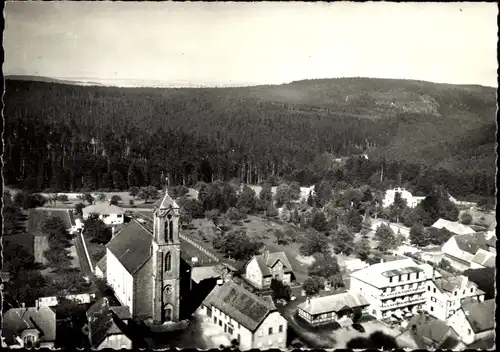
168	261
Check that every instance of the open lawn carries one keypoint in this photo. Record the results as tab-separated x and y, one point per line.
259	229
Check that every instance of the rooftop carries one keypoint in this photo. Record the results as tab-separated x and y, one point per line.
16	320
266	262
333	303
102	320
471	243
453	226
484	258
132	246
481	315
102	208
402	271
240	304
426	332
166	202
377	274
452	283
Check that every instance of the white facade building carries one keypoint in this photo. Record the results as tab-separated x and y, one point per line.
394	287
244	316
446	295
411	200
474	321
108	213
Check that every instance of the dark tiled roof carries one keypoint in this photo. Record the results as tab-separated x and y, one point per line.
470	243
102	322
241	305
37	217
481	315
16	320
427	332
121	312
266	263
484	258
132	246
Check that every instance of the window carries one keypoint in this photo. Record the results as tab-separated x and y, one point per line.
168	261
239	337
220	322
171	231
390	279
393	289
433	299
225	328
230	330
165	230
464	292
455	293
432	309
434	290
270	331
280	329
400	277
469	331
238	325
472	289
215	320
119	215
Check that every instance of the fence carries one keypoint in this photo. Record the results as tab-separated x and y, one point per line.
54	301
200	248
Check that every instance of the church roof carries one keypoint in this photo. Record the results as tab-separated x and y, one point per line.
132	246
166	202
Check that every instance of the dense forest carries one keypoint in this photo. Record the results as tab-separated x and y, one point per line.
70	137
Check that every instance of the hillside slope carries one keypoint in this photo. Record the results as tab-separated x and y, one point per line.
266	129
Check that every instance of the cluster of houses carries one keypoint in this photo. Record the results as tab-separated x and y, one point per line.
435	310
411	200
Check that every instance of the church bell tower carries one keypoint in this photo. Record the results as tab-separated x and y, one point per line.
167	275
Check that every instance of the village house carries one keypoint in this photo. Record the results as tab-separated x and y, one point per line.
446	294
427	333
243	316
29	327
327	309
110	214
469	251
474	321
453	226
37	218
393	288
106	326
261	269
390	194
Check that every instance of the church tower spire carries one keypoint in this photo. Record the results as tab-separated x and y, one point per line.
167	263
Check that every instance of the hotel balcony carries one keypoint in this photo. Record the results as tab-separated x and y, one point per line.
406	302
408	291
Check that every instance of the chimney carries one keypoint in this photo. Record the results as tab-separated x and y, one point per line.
308	300
381	260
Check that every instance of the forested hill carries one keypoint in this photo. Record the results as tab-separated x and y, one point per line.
72	136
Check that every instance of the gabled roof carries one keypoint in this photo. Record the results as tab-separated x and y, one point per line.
166	202
101	264
37	217
200	273
481	315
484	258
451	283
240	304
132	246
16	320
471	243
453	226
426	332
102	208
333	303
103	321
267	261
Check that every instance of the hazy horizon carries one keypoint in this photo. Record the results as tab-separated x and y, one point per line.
247	44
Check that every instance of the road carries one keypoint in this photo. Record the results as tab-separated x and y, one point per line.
85	266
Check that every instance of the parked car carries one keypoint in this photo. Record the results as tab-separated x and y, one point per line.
358	327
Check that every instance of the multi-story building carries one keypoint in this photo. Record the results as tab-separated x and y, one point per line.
390	195
243	316
393	288
445	295
110	214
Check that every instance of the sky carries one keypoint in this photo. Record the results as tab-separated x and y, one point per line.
219	44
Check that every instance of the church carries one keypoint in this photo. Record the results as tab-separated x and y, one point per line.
142	264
